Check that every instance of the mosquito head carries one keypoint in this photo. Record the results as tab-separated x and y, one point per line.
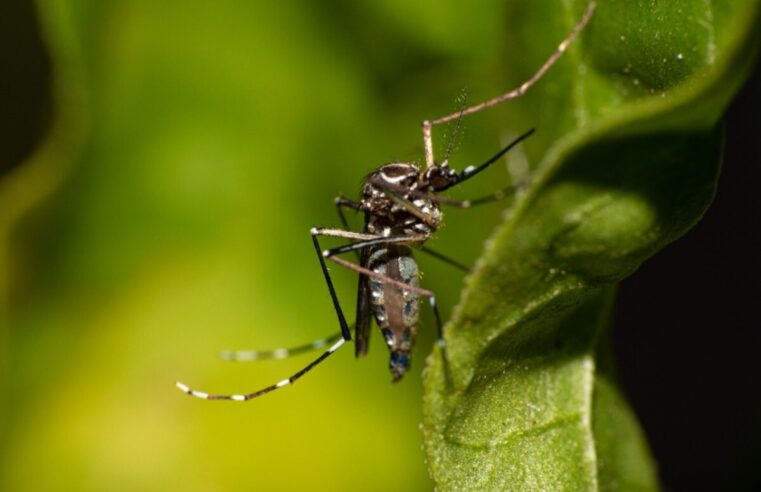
439	177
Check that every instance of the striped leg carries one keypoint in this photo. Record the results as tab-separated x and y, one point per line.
345	334
285	382
279	353
441	342
365	240
518	92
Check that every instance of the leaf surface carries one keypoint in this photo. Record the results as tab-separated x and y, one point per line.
628	149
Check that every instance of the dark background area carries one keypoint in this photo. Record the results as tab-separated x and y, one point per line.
24	83
687	329
687	334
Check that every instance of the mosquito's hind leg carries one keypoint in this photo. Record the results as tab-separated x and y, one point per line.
441	342
445	259
285	382
278	353
345	336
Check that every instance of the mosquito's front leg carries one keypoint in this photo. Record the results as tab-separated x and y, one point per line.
330	232
414	238
519	91
342	203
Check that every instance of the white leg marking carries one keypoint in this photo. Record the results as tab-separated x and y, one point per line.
283	383
336	346
238	397
240	355
319	343
326	231
200	394
281	353
182	387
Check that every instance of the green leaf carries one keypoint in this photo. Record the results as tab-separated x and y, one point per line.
629	148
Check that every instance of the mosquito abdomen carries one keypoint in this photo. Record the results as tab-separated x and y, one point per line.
395	308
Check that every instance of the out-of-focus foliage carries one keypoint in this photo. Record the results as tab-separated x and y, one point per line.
165	217
629	155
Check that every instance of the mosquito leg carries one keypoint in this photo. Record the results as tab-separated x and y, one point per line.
519	91
343	202
345	336
392	191
374	242
283	353
331	255
380	277
361	247
441	342
326	231
445	259
496	196
279	353
285	382
336	305
366	240
386	240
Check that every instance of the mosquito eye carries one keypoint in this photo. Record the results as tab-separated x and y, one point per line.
438	181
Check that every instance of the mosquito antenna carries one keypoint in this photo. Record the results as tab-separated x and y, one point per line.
454	132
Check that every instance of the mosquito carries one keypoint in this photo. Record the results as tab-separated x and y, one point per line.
402	210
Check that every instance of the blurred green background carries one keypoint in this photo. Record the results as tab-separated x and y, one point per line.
178	154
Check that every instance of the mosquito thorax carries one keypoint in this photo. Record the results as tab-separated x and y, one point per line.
399	173
381	196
